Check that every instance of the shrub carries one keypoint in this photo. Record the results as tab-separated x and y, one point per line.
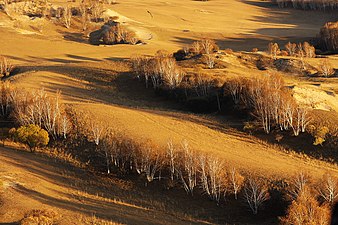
67	16
39	217
319	133
161	69
31	135
305	210
6	68
113	33
198	48
325	68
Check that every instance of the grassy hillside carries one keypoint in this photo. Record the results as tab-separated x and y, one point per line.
99	80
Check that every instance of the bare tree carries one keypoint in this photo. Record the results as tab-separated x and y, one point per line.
96	9
235	88
65	126
298	184
255	193
6	67
273	50
106	147
328	188
6	100
209	60
207	46
258	93
213	177
309	50
97	130
237	181
149	162
201	83
325	68
301	54
188	169
172	157
67	16
291	48
85	17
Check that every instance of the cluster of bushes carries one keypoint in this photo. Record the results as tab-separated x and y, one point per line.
311	201
292	49
324	129
308	4
302	51
203	49
113	33
37	8
37	217
198	48
34	108
88	11
161	70
270	101
266	97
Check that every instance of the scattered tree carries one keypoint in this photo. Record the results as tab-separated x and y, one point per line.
255	193
6	68
305	210
31	135
325	68
328	188
236	180
67	16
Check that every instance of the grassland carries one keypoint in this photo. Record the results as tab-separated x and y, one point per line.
98	79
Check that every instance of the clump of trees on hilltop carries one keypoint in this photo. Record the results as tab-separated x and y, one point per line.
267	97
113	33
308	4
328	37
301	50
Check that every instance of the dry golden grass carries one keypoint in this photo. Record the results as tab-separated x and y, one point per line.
60	58
38	217
93	220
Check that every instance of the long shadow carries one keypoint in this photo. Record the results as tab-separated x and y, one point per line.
133	209
130	93
287	24
78	180
156	209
